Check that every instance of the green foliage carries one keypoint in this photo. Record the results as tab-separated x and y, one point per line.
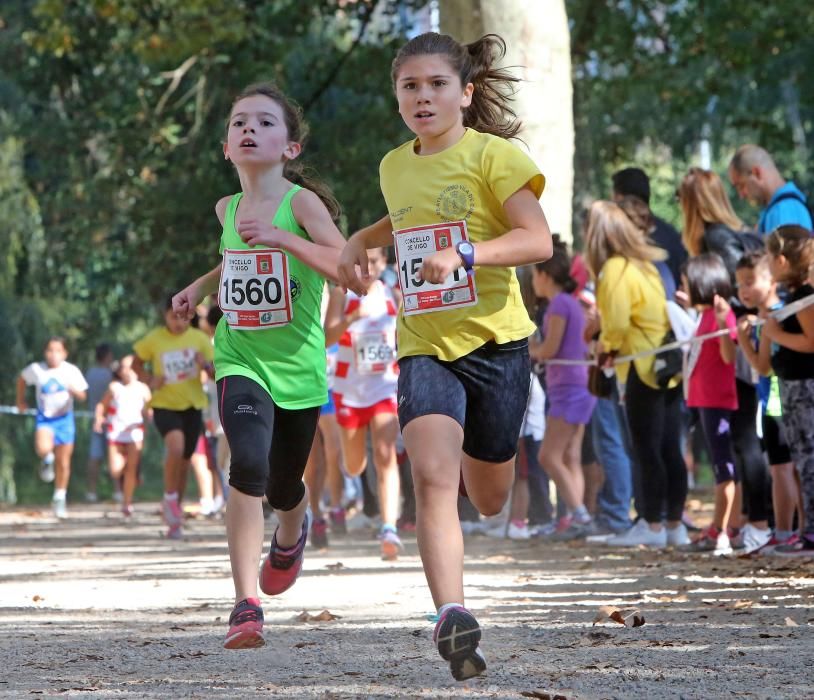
669	73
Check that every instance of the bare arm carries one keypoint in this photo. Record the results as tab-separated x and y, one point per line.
553	339
799	342
100	411
745	325
527	241
727	346
353	263
21	386
336	322
320	253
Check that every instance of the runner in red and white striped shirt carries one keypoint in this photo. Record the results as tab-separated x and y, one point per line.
365	388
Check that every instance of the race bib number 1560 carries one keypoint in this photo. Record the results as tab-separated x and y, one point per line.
255	291
420	296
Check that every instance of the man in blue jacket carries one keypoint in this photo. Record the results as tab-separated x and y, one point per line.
755	176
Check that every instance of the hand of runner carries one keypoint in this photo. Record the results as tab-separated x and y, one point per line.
185	302
438	266
253	232
353	269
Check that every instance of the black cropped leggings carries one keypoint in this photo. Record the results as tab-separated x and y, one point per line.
270	445
654	416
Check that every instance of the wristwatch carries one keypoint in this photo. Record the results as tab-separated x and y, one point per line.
467	253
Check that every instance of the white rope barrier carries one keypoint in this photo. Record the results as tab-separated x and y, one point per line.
779	315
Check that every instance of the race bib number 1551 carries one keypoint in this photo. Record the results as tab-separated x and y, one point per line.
420	296
255	291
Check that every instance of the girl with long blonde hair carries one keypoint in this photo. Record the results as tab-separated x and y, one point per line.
633	307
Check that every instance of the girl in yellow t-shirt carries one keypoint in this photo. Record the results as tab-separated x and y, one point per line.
175	354
462	202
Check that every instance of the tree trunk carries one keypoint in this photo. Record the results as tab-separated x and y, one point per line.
538	43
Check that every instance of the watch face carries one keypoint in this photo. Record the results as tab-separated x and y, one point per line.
465	247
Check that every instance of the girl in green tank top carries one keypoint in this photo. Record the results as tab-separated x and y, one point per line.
279	242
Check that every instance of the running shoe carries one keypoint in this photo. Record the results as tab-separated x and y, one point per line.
60	507
711	540
774	542
338	524
47	468
803	547
171	510
245	626
735	535
319	534
678	536
281	567
175	532
91	497
518	530
127	511
754	539
640	535
390	543
456	637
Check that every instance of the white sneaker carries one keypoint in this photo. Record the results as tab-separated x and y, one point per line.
91	497
47	468
754	538
496	530
60	507
640	534
471	527
518	532
677	536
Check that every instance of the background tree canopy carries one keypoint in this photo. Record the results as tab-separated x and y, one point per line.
112	113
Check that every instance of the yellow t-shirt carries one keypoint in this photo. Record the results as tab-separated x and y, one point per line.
631	302
469	181
173	358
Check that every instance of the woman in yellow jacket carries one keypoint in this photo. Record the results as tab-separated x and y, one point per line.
632	306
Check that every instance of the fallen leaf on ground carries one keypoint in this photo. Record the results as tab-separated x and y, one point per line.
742	604
335	567
37	598
791	623
324	616
628	618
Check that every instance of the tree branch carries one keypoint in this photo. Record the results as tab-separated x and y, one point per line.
326	83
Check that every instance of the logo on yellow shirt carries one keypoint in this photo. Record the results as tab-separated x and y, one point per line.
455	202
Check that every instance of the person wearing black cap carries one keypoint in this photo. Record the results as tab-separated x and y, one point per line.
634	182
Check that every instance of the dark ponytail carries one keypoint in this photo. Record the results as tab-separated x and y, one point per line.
297	129
491	111
558	268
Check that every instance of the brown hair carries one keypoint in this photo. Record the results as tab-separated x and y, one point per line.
638	212
610	232
490	111
298	132
704	201
796	245
753	260
558	268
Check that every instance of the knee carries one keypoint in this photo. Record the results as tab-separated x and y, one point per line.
432	476
489	503
248	470
284	495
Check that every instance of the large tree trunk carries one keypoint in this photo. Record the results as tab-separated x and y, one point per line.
538	41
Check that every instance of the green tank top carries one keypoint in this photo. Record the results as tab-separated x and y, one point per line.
287	361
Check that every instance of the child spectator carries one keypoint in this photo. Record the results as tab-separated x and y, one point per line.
711	388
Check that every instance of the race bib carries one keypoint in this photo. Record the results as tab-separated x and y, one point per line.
178	365
255	291
373	351
420	296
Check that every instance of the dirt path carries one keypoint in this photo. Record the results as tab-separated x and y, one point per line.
98	608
